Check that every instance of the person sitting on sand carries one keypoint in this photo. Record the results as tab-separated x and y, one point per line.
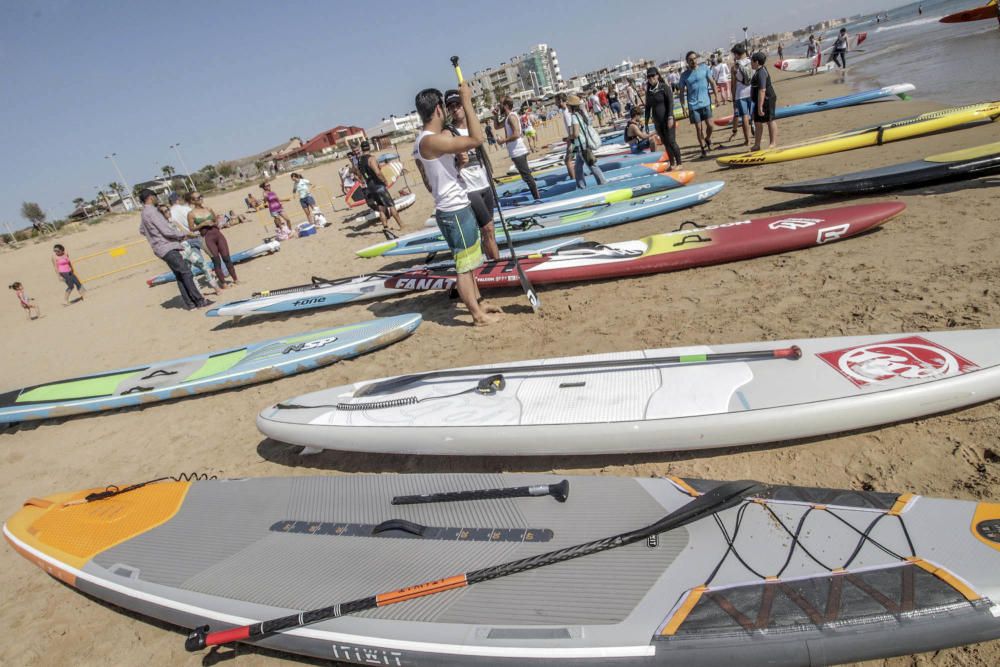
253	204
64	269
283	231
436	151
637	139
27	303
765	100
204	221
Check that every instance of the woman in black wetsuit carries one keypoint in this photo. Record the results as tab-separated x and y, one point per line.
660	106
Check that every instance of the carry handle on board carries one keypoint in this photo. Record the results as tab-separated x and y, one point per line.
529	290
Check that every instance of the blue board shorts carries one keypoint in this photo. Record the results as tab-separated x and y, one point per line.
461	232
639	146
743	107
307	201
698	115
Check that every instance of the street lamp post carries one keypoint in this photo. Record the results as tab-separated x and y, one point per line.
128	188
187	172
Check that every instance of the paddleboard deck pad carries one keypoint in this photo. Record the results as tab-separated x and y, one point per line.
682	398
788	576
202	374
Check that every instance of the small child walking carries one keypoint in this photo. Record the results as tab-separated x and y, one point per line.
26	301
64	269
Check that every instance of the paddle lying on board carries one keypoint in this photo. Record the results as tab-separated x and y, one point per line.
708	504
559	491
536	304
496	374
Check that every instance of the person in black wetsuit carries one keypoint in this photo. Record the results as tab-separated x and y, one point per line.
377	190
660	106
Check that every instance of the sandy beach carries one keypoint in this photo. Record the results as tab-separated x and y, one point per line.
937	266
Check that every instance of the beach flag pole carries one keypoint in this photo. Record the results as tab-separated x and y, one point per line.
529	290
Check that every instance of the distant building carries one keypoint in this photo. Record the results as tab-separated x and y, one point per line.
336	139
394	129
536	73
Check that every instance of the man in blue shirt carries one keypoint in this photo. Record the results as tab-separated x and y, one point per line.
695	82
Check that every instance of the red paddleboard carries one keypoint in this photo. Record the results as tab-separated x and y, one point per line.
977	14
686	247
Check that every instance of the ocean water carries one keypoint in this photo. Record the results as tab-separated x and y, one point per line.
953	64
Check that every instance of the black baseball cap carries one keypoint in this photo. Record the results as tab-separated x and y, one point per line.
452	97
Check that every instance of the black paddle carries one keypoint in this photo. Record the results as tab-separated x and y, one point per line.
536	304
793	353
559	491
718	499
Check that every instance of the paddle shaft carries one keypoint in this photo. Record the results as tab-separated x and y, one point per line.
718	499
793	353
559	491
526	285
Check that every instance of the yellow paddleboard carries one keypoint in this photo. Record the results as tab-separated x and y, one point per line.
876	135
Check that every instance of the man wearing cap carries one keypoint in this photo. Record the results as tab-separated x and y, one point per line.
660	107
165	240
435	150
377	189
474	177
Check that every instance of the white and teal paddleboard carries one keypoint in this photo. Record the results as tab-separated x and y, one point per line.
203	373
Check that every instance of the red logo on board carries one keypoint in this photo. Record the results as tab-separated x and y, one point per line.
911	358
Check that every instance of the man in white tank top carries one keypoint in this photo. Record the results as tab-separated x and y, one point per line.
517	148
435	152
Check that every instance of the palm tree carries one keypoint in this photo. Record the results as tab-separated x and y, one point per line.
79	203
168	171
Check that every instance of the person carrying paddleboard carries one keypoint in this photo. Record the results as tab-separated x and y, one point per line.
765	101
660	107
517	148
436	151
377	189
474	177
694	86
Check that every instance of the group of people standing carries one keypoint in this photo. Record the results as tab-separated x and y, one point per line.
179	235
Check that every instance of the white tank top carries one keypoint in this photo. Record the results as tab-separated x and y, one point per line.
515	148
473	173
449	195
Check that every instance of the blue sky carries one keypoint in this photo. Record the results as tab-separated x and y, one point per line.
227	79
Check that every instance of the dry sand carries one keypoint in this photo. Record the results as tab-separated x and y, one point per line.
936	266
